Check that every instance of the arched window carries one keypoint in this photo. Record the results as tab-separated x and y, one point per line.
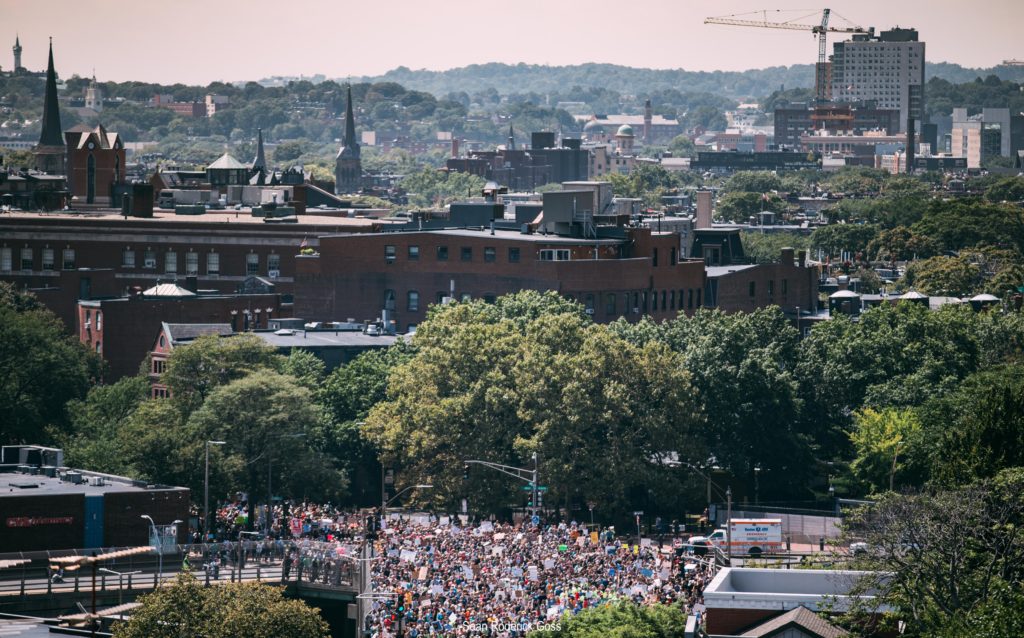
90	179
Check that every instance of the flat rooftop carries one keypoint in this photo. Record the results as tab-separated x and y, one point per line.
299	338
14	483
740	587
210	217
507	235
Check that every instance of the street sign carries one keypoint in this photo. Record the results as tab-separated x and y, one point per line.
638	513
540	488
535	520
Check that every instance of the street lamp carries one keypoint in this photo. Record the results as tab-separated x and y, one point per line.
206	491
757	486
160	547
120	581
591	505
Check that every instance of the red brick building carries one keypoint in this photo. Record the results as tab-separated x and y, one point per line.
96	161
173	335
121	329
220	249
359	276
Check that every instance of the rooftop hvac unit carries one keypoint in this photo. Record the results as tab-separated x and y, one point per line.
50	471
74	477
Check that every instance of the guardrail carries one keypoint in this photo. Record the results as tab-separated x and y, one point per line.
214	563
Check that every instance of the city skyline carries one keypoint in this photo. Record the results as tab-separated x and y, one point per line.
338	41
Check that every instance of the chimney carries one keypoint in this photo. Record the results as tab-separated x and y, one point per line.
455	147
786	256
703	210
802	258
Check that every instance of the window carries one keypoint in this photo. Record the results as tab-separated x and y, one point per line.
128	258
490	297
252	264
389	299
771	287
69	259
99	320
159	365
550	254
149	259
466	254
413	301
490	252
47	259
191	264
273	265
654	256
5	259
171	262
609	304
466	297
442	253
26	259
689	298
440	297
752	288
414	253
513	255
672	300
213	264
664	297
785	287
389	253
698	297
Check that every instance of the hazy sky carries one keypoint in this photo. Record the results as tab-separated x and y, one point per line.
199	41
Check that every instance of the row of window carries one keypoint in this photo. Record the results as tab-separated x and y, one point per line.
465	253
635	302
149	260
27	259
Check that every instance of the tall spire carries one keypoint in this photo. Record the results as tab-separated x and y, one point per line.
260	162
349	142
52	134
511	139
17	52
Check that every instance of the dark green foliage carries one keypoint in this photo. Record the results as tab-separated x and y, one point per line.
619	620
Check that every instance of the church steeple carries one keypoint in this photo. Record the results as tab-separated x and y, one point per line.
52	134
348	168
511	139
260	161
349	141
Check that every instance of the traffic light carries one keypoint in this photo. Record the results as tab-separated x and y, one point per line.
465	471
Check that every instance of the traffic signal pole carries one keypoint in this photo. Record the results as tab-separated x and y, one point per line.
530	476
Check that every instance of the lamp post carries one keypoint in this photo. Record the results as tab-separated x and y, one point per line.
120	581
757	485
206	491
591	505
160	548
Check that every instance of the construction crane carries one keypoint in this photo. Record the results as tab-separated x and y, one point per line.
822	71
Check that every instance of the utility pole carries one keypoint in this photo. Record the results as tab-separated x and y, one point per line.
530	476
728	524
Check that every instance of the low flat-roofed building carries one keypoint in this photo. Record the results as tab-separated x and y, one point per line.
738	598
48	507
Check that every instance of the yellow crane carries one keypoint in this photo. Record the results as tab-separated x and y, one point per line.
822	71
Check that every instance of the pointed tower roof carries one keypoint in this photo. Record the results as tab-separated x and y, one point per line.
349	146
17	42
259	163
511	139
51	134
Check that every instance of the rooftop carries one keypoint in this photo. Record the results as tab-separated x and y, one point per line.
509	235
209	217
721	271
14	483
740	587
324	339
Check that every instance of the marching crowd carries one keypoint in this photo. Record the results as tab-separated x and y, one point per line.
433	577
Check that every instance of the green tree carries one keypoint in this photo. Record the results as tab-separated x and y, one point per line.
766	248
947	276
266	418
434	188
286	152
193	372
186	608
682	146
753	182
1009	189
97	438
941	557
738	206
619	620
878	440
836	239
42	368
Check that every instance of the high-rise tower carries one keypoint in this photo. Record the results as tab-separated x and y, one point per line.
17	54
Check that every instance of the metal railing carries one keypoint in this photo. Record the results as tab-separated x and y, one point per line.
303	562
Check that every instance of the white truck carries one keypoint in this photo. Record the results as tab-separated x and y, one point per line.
751	536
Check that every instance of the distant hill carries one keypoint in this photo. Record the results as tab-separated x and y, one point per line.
526	78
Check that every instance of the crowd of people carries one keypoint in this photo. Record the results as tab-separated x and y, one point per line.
433	577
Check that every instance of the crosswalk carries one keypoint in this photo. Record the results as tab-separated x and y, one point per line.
20	627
